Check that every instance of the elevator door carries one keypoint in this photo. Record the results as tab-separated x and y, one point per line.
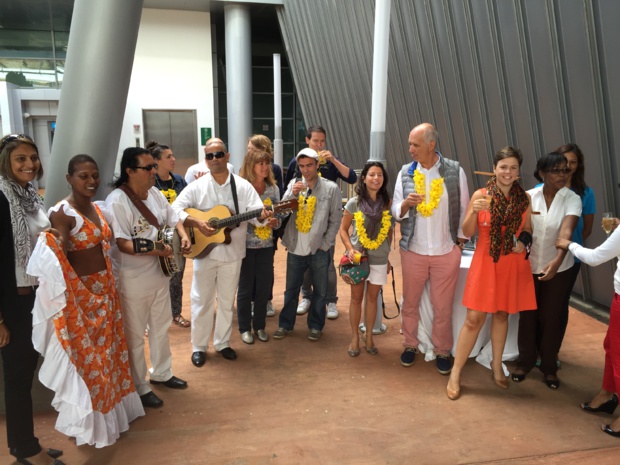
176	128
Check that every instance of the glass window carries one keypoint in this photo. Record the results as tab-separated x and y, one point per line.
262	105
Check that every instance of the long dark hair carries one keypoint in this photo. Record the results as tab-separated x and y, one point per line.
129	160
360	186
577	180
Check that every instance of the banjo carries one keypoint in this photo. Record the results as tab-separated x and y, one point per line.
165	236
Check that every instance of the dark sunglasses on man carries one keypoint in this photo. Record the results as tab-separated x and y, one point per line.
147	167
218	155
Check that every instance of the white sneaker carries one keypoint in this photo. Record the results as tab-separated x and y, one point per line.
270	310
303	306
332	311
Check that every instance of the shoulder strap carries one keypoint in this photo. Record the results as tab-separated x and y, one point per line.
233	188
143	209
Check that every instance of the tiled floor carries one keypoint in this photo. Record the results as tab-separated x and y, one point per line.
297	402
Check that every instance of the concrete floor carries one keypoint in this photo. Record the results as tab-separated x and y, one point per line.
297	402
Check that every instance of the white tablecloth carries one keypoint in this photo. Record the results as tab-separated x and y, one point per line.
482	350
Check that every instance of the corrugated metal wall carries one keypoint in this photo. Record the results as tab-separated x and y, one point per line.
530	73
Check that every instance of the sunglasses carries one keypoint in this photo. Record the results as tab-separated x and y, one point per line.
13	137
559	171
218	155
147	167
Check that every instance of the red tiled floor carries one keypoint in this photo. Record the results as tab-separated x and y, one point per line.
297	402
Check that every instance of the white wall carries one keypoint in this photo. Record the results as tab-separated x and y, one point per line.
172	70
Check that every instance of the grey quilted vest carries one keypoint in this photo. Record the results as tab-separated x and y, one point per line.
449	170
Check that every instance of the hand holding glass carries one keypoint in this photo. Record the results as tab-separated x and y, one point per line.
608	222
488	199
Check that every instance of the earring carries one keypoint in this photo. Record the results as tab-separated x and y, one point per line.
69	186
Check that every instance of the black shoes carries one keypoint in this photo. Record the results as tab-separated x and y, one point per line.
607	407
607	429
173	383
228	353
199	358
54	453
151	400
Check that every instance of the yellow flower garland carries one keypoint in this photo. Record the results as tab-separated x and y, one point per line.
263	232
426	208
305	213
367	243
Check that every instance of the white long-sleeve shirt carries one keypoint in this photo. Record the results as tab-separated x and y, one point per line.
603	253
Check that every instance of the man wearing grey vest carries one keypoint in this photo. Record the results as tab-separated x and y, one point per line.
430	219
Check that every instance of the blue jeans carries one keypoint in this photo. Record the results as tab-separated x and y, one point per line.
296	266
332	282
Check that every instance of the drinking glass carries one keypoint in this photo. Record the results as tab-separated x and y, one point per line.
488	199
608	222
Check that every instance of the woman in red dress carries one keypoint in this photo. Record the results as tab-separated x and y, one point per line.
499	281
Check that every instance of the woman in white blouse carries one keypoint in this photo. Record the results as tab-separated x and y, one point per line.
607	399
555	211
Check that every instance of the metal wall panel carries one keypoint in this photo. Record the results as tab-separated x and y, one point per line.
529	73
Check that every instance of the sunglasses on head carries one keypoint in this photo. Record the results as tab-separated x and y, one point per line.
218	155
147	167
559	171
13	137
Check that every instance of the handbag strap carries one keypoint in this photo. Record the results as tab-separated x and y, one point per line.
233	188
395	301
142	208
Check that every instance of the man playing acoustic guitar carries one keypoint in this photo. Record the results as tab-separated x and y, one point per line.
216	268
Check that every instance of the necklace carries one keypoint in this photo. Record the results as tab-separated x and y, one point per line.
305	213
426	208
367	243
263	232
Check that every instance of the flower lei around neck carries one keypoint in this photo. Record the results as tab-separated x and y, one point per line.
264	232
305	213
367	243
426	208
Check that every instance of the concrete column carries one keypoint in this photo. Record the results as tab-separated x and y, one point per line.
238	80
278	143
100	54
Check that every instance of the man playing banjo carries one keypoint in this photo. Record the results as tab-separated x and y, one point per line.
136	210
216	272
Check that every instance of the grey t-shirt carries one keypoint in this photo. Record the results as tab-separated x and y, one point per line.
375	257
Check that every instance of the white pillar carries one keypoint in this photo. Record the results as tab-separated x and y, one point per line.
238	80
278	143
92	104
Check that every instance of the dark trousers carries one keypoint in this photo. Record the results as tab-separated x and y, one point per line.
540	330
564	315
20	362
256	276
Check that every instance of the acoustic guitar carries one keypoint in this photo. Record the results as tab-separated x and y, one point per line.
220	219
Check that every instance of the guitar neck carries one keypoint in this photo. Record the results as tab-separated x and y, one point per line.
233	220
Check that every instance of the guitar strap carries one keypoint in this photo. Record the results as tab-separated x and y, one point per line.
233	188
143	209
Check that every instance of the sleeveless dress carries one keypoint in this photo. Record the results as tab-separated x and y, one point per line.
507	285
79	330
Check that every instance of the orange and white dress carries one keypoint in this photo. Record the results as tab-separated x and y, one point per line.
78	328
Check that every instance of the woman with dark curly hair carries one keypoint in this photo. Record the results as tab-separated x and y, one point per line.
369	213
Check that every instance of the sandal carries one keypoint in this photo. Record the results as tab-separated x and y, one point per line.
179	320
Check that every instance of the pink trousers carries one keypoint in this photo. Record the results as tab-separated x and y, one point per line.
442	271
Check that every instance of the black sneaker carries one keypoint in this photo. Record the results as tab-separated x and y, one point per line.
444	365
407	358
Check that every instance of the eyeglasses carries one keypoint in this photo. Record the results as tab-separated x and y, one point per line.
12	137
559	171
146	168
218	155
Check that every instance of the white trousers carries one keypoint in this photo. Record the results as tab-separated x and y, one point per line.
140	310
211	277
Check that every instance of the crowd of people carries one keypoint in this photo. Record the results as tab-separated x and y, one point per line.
86	284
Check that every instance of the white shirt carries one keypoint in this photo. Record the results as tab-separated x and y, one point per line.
604	252
194	170
206	193
546	226
432	235
137	273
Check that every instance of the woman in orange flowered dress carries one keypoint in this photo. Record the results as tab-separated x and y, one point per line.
89	368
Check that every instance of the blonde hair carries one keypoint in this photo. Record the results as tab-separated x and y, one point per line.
262	143
253	158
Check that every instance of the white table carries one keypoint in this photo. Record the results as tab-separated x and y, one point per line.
482	350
